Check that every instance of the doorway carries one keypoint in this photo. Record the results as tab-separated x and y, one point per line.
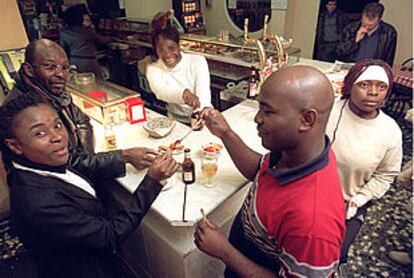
351	9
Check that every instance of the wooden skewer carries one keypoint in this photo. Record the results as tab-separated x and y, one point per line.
203	214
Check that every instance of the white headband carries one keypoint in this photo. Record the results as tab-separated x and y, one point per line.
374	72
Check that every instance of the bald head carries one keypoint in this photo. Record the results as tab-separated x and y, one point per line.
39	49
305	87
47	63
295	103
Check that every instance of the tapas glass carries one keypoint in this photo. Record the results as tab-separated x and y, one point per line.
209	167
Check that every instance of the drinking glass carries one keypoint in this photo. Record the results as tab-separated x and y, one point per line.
209	168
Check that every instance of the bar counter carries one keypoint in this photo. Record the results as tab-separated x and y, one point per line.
158	249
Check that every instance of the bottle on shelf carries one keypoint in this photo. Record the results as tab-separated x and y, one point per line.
188	168
267	70
252	84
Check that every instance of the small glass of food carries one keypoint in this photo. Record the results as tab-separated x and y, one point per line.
211	149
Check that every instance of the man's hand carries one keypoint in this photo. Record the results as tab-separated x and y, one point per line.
215	122
164	166
140	158
362	31
191	99
209	239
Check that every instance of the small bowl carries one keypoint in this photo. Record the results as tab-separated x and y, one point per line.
84	77
159	127
211	149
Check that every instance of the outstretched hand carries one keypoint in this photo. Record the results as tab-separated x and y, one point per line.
215	122
140	158
164	166
191	99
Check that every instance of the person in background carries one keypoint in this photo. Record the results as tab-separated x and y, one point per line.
79	40
292	221
367	142
330	24
44	74
368	38
54	204
181	80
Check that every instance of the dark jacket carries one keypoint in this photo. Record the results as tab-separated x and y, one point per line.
386	46
65	229
76	122
319	41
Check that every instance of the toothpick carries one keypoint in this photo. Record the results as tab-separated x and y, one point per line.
203	214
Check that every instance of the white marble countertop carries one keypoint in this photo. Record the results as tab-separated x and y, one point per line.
227	181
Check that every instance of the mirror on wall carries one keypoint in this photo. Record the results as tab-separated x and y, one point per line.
254	10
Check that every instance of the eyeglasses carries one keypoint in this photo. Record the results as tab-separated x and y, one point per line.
53	67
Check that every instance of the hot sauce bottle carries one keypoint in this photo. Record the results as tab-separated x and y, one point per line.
188	168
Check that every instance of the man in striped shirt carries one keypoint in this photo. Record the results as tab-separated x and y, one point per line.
292	222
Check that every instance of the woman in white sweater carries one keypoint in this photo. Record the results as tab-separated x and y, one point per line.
181	80
367	142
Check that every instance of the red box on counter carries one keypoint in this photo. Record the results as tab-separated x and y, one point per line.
135	110
102	96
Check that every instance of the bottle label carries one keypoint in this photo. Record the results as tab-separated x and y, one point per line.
188	176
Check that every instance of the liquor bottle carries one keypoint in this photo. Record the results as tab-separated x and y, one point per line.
110	137
267	71
252	84
188	168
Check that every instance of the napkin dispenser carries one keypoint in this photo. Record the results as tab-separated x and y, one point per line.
135	110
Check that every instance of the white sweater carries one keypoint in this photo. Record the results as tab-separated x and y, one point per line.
368	151
168	84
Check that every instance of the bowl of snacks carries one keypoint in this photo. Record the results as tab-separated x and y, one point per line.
159	127
211	149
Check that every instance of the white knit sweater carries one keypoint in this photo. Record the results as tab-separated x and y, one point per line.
368	151
168	84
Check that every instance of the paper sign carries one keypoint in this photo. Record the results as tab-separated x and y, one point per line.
232	4
279	4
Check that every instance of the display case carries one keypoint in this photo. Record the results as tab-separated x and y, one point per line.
189	14
126	28
103	101
233	47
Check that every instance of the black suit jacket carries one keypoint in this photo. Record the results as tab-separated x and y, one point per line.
67	230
